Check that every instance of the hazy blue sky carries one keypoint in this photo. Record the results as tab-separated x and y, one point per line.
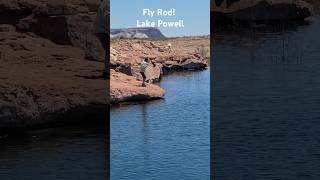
196	15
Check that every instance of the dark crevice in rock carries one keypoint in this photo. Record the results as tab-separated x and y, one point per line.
14	16
125	69
114	66
54	28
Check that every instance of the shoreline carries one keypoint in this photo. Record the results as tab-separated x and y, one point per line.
186	54
58	84
142	101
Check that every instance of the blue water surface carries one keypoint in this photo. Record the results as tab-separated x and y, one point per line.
266	103
164	139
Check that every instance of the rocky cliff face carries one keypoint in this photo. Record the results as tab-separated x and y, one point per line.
233	11
44	73
137	33
41	81
63	22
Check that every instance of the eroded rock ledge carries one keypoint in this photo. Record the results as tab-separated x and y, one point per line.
188	53
126	88
40	80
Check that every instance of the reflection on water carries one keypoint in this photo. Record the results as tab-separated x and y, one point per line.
266	104
57	153
165	139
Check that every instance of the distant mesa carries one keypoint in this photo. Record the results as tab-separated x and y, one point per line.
136	33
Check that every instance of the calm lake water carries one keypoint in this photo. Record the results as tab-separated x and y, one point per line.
164	139
266	104
57	153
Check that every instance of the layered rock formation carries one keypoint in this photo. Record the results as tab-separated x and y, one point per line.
41	82
127	54
44	76
189	53
137	33
233	11
63	22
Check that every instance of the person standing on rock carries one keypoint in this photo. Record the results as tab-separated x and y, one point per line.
143	66
102	33
169	46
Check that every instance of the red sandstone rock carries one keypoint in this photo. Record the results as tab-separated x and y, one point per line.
40	81
127	88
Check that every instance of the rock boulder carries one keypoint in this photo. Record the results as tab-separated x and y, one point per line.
128	88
